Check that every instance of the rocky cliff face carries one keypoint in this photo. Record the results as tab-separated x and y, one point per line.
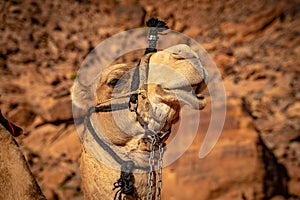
255	44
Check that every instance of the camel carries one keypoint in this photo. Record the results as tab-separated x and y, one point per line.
176	77
16	179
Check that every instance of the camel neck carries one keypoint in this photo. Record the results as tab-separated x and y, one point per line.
96	141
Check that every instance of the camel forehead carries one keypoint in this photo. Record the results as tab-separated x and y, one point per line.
171	64
162	57
174	54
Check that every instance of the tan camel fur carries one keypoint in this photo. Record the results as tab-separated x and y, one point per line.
16	179
173	74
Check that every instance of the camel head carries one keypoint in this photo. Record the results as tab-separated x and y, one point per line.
175	78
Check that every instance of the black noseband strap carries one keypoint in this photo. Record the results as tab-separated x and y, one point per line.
111	107
156	26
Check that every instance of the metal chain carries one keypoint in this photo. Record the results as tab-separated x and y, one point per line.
159	173
151	174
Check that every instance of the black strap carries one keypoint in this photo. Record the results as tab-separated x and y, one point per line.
107	148
111	107
101	143
156	26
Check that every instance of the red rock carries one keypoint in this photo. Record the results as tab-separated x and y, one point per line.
293	110
37	60
259	21
67	145
22	115
53	49
179	26
39	139
243	52
209	46
193	32
238	158
52	110
278	198
132	15
222	60
294	187
54	176
229	29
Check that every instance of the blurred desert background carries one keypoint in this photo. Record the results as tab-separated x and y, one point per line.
254	43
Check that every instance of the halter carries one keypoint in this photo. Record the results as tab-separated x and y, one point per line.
137	96
13	129
126	181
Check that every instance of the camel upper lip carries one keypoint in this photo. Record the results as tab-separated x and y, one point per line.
189	95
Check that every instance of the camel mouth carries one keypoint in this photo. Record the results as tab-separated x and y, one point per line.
188	95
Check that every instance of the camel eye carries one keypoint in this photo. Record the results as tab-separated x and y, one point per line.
115	82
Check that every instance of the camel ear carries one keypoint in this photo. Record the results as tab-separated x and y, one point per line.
82	95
